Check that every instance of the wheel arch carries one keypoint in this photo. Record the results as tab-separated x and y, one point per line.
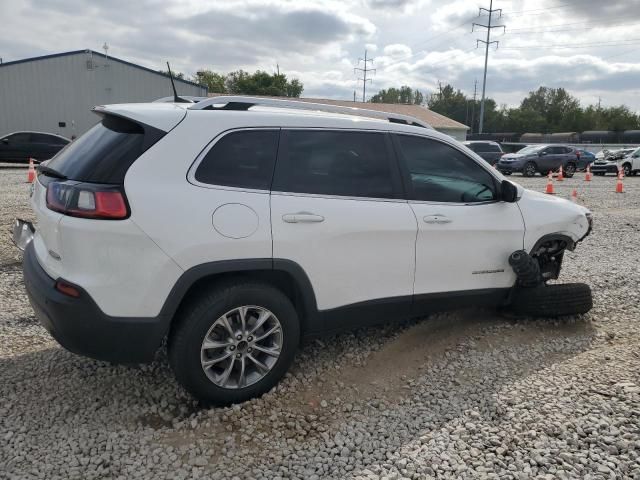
550	237
286	275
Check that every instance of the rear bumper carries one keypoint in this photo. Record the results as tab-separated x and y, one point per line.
81	327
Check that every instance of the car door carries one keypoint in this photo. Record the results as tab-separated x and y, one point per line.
549	160
337	211
465	234
15	147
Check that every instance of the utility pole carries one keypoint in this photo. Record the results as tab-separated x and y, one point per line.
278	68
364	71
486	42
473	106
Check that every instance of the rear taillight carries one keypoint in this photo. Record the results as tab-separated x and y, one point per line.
87	200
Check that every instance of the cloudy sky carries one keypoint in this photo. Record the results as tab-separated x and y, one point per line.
590	47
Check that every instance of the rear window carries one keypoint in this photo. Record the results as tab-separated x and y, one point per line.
243	159
106	151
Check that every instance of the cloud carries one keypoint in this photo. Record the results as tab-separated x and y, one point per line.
413	42
389	4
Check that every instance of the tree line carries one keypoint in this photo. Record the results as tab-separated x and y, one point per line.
545	110
240	82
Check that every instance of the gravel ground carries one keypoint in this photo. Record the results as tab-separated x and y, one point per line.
468	394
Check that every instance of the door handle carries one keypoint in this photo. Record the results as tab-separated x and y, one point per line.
436	219
302	217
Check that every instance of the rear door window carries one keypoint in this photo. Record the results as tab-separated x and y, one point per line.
243	159
341	163
106	151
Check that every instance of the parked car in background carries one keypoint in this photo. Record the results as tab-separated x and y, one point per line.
631	163
540	159
20	146
585	158
613	160
489	151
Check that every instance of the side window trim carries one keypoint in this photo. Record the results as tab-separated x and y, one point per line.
396	175
406	175
191	173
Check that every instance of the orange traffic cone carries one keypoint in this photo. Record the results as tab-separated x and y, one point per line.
560	177
619	185
588	175
31	174
574	196
549	188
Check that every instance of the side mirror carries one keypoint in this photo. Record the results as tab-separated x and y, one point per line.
5	140
508	192
542	154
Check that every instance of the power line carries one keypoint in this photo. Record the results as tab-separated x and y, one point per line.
401	60
586	23
364	71
486	42
473	107
613	43
543	11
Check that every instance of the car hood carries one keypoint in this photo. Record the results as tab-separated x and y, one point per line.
515	156
546	200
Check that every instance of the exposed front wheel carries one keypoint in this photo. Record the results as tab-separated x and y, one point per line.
529	169
552	300
234	343
570	170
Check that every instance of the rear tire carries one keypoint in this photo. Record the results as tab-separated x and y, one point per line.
188	354
552	300
570	170
529	170
626	169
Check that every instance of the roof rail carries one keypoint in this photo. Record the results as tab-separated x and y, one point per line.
234	102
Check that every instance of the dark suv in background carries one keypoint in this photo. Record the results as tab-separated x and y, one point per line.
489	151
20	146
542	159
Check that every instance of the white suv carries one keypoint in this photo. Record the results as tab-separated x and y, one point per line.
235	226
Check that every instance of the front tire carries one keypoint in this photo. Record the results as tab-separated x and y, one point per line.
529	169
234	343
552	300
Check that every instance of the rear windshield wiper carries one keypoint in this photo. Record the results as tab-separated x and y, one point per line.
50	172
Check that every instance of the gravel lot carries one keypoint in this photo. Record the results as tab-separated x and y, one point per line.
469	394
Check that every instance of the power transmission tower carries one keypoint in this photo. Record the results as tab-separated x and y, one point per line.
486	42
364	71
473	106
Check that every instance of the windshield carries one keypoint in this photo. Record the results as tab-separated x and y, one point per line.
531	149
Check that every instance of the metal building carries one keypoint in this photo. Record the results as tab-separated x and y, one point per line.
55	93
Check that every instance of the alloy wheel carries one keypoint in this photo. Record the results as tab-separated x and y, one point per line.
241	347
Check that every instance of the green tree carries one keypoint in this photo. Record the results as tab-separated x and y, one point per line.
453	103
215	82
403	94
262	83
559	109
179	75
